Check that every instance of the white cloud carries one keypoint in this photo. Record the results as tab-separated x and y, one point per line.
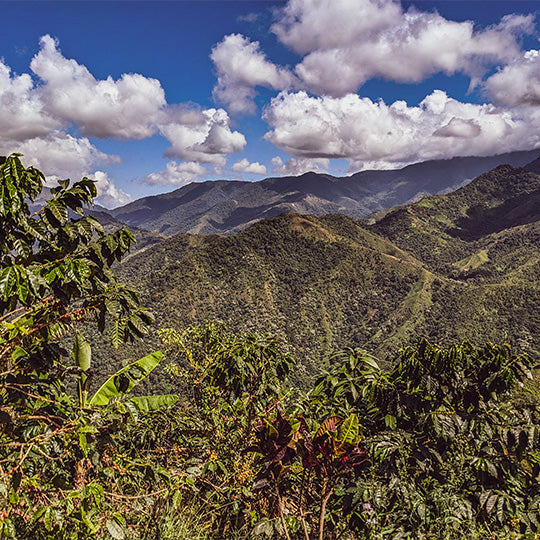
59	155
517	83
125	108
296	166
240	66
22	113
108	194
36	120
458	127
201	135
245	166
176	174
419	45
345	43
309	25
373	134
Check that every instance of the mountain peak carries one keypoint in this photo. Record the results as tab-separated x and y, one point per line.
226	207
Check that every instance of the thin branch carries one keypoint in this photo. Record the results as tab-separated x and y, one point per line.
325	498
280	509
133	497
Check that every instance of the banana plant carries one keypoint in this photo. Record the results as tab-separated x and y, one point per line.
120	383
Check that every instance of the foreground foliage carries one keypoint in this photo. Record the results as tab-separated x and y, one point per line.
443	444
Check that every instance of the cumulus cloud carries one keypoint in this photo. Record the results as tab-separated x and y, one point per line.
517	83
344	43
309	25
410	51
22	112
245	166
37	119
59	155
176	174
125	108
296	166
203	136
374	134
240	66
458	127
108	194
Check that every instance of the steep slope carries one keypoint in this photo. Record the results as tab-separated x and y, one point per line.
324	283
309	281
226	207
442	230
442	268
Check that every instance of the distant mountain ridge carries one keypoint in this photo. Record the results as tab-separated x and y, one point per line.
228	206
459	266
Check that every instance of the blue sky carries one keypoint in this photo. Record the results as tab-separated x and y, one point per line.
148	96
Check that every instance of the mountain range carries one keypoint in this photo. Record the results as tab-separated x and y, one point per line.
463	265
228	206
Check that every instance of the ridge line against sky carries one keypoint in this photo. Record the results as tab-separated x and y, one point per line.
145	97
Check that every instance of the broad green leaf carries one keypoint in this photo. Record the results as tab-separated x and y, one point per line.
82	352
118	333
8	278
18	353
22	248
48	519
152	403
108	390
83	443
115	526
348	430
7	528
390	421
491	502
59	210
22	285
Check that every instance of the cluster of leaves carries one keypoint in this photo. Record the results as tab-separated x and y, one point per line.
230	381
55	272
290	455
449	442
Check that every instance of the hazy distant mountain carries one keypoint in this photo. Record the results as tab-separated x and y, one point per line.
443	267
226	207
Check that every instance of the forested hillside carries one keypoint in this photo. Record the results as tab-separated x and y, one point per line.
451	267
396	438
